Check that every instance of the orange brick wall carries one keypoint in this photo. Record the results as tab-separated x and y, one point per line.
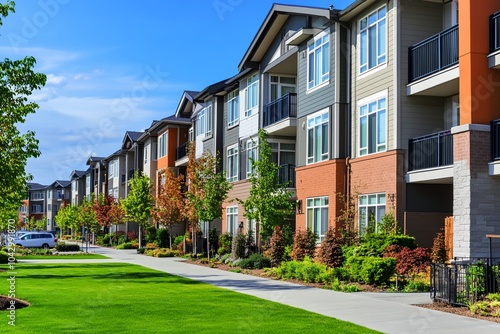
317	180
379	173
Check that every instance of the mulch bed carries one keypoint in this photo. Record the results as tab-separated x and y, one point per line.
5	303
437	306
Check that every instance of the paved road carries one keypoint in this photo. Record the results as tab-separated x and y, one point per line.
386	312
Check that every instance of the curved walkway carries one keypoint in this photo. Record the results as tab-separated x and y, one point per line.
385	312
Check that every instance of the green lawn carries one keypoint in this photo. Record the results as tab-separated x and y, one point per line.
124	298
62	257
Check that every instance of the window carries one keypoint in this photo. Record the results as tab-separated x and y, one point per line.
232	163
281	86
232	219
36	208
60	194
251	156
372	40
371	211
317	137
373	126
49	207
233	108
317	216
146	149
252	95
204	122
49	194
282	153
318	61
113	168
39	195
162	145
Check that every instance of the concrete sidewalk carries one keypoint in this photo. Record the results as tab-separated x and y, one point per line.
385	312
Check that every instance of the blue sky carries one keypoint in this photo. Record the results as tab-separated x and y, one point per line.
114	66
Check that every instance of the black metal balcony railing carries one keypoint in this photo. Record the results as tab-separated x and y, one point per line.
280	109
495	32
130	174
495	140
433	54
434	150
181	151
286	175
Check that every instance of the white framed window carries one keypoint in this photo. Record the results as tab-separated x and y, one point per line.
251	155
252	95
39	195
113	168
281	86
317	216
317	137
232	163
162	145
146	150
232	219
373	40
115	193
233	108
371	209
204	122
373	124
318	61
282	153
49	207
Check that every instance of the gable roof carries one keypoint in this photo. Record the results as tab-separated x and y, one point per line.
77	174
92	159
130	137
213	89
60	183
271	26
35	186
184	107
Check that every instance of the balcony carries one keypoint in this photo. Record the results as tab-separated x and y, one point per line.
494	56
280	116
494	165
181	158
286	175
433	65
431	158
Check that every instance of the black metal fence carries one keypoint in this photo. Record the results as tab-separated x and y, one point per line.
495	32
181	151
464	281
495	140
280	109
433	54
429	151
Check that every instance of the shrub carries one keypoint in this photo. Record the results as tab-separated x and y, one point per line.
376	270
330	252
150	234
306	270
277	246
225	244
409	261
132	236
250	246
162	237
4	257
162	252
239	246
141	250
60	247
438	252
214	238
255	261
151	245
177	241
402	240
304	244
106	239
127	245
418	283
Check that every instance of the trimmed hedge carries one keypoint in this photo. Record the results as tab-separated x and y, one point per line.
255	261
4	257
67	248
370	269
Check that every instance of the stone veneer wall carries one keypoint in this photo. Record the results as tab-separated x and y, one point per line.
476	195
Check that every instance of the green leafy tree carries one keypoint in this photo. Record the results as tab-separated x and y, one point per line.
269	200
67	217
17	83
140	202
208	188
41	224
87	217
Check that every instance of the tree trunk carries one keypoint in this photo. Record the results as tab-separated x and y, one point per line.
140	235
170	237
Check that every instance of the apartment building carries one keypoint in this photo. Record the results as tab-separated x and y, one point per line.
95	181
78	186
36	197
58	194
133	151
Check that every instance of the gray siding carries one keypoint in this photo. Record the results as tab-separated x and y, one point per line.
230	136
315	100
420	115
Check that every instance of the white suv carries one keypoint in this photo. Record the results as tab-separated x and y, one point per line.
37	240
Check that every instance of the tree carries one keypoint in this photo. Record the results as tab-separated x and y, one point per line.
207	190
140	201
87	217
102	206
41	224
63	217
17	83
169	203
269	200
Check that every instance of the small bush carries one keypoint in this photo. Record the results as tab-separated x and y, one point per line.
127	245
225	242
255	261
132	236
60	247
141	250
277	246
438	252
377	271
162	252
177	241
4	257
162	238
409	261
150	234
330	252
306	270
304	245
239	246
106	239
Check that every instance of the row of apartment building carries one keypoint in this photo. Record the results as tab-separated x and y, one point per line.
394	102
